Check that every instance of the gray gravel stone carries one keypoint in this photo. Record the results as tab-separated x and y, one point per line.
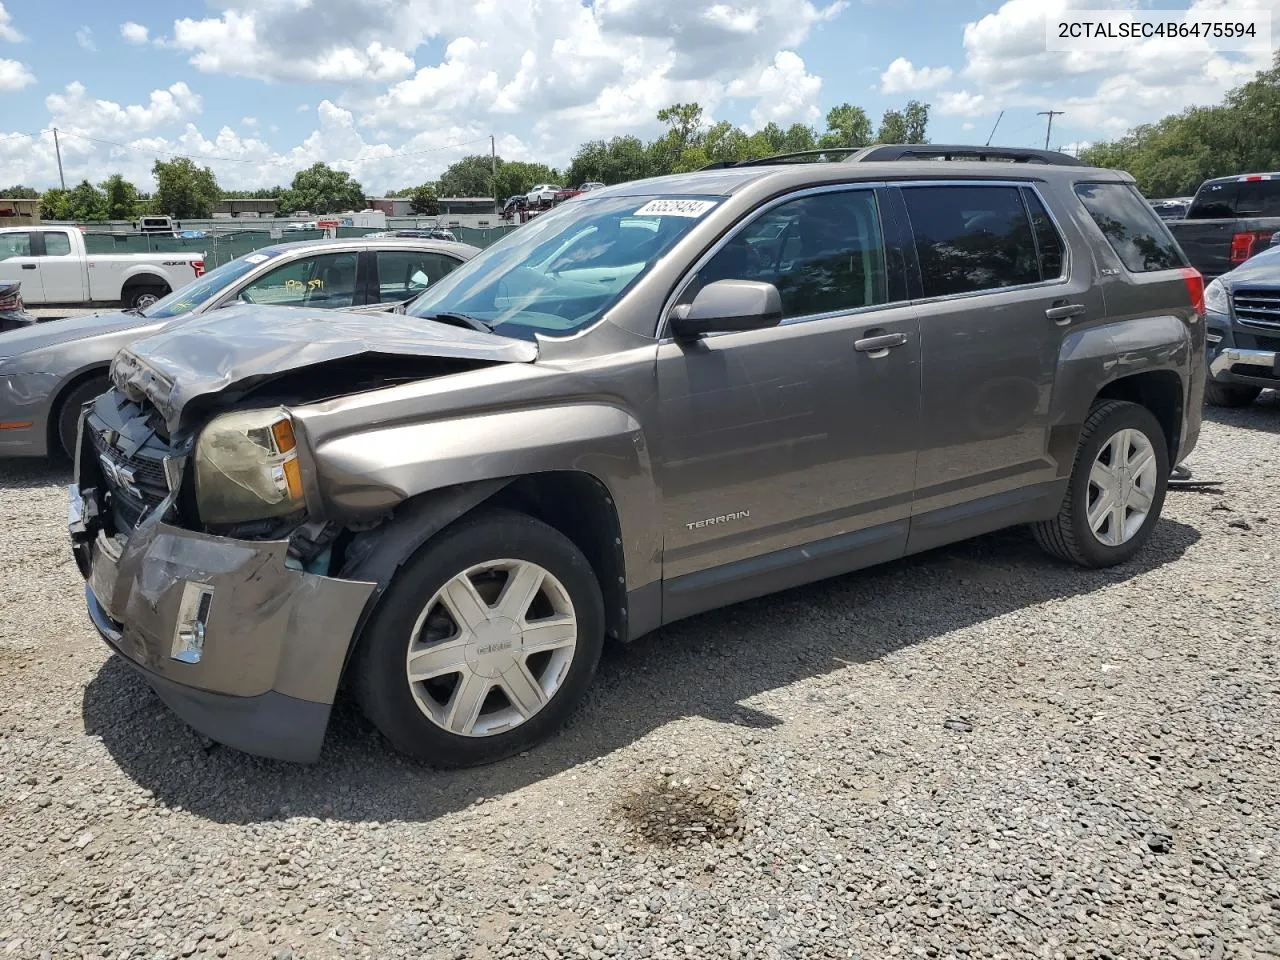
973	753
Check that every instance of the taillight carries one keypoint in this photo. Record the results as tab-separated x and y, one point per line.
1195	287
198	267
1242	244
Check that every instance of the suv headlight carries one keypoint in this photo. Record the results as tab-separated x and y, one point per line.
1215	298
247	468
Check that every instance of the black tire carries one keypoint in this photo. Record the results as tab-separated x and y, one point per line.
69	412
1229	394
1068	536
380	683
135	298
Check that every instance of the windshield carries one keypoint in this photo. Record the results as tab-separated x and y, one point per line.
199	291
558	274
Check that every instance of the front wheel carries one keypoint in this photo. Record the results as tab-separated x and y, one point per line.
69	412
499	654
1116	490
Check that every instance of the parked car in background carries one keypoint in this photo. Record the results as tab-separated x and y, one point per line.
13	314
1172	209
1242	321
426	233
658	399
1230	219
543	192
590	185
49	371
54	267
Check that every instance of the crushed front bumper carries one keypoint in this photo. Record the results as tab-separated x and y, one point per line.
243	648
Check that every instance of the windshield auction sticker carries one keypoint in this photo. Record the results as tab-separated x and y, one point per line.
1224	28
675	208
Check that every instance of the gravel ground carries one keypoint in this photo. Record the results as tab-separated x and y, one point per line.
974	753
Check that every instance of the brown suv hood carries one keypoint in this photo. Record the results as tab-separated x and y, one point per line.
245	345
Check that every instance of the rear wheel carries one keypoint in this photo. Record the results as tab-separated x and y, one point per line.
69	412
139	298
485	642
1229	394
1116	490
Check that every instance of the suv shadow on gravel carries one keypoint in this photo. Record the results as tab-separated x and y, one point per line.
703	666
1262	414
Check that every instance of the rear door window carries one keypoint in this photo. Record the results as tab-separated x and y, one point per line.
972	238
57	245
403	274
1140	239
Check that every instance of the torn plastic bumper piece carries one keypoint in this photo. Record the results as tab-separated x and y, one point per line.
247	651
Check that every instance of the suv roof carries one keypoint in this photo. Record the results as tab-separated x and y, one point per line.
725	180
882	152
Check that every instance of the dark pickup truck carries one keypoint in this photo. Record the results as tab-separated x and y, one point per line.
1230	219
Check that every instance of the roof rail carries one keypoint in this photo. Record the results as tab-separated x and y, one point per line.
909	151
938	151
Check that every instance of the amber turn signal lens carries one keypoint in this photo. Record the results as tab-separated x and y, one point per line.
293	477
282	430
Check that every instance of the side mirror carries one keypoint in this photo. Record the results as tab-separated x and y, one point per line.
726	306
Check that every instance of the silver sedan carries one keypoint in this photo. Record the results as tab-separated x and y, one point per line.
49	370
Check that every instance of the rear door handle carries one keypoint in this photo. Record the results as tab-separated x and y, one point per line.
879	345
28	266
1063	314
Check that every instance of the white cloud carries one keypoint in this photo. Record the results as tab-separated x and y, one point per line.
1007	65
134	33
74	112
237	43
902	76
7	29
250	122
786	93
14	75
84	39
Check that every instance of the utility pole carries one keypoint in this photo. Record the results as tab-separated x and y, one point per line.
1050	114
993	129
493	167
58	150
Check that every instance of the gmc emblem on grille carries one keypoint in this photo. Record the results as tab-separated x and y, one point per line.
119	475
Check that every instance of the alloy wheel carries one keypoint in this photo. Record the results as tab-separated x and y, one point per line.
491	647
1122	486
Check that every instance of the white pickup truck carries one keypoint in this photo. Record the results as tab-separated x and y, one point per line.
53	267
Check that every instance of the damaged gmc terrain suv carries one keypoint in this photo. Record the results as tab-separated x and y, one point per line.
656	399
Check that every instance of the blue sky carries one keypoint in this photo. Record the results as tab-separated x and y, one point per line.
394	90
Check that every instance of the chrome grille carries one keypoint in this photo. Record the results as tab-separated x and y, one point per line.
149	486
1257	307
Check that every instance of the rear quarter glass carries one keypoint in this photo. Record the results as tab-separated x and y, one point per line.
1139	237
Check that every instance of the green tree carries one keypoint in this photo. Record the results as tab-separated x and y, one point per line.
423	200
120	197
184	189
470	177
55	204
87	202
684	122
322	189
19	192
516	176
847	126
915	119
893	128
617	161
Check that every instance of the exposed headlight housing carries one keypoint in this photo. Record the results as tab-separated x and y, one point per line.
1216	299
247	468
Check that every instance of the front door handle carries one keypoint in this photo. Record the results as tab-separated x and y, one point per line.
1062	315
28	266
878	346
